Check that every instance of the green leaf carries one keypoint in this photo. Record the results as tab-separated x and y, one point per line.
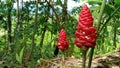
17	58
109	9
117	24
99	2
117	2
58	2
21	54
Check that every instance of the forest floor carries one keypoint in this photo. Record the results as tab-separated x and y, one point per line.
109	60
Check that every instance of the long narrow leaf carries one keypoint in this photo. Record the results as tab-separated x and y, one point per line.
21	54
17	58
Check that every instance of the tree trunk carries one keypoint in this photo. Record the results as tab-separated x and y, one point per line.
64	11
9	25
34	30
18	16
21	13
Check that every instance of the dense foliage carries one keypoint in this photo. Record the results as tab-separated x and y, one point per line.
29	31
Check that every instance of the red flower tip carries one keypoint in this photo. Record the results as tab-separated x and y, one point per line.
85	32
62	40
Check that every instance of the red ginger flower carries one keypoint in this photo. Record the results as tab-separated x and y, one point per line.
85	32
62	40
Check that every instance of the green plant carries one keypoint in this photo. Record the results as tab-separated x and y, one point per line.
19	56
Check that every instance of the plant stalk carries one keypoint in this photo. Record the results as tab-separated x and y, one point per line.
84	52
98	26
101	14
83	59
90	58
63	61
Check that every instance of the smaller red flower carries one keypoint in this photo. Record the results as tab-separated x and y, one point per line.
62	40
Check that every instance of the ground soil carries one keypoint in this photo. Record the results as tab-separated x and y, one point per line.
110	60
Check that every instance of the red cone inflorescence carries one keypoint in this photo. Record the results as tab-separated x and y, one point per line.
62	40
85	32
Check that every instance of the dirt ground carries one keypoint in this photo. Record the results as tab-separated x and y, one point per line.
110	60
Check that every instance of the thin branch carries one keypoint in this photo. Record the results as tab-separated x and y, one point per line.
57	17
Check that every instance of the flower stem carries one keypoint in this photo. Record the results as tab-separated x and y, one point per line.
90	58
84	52
63	61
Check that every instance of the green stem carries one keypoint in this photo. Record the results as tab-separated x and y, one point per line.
63	61
99	21
84	59
84	52
101	13
90	58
